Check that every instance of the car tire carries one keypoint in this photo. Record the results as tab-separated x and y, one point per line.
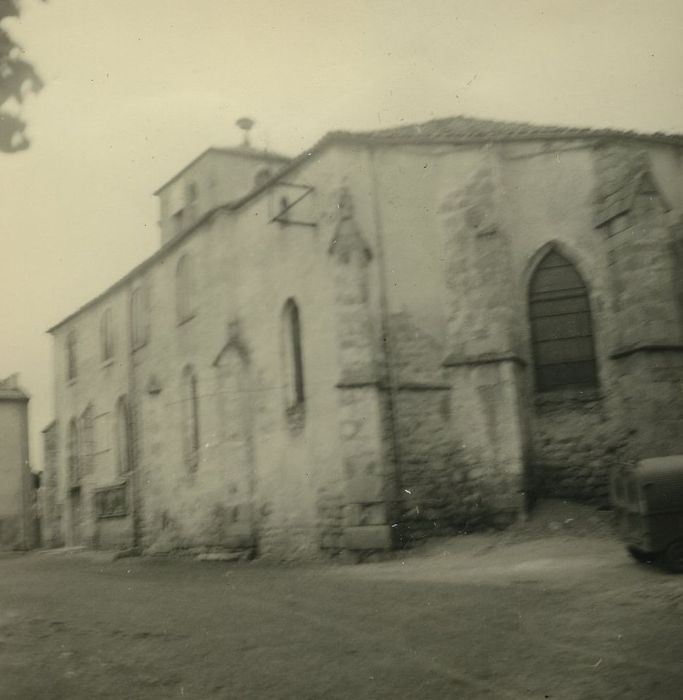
673	557
640	556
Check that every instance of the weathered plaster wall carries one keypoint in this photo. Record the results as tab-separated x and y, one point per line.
98	384
276	487
15	501
455	473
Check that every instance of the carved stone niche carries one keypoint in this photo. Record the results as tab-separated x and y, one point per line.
348	243
235	343
480	312
351	254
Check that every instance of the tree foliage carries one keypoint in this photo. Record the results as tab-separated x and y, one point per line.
17	78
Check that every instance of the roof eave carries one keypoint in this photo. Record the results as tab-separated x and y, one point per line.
346	138
258	155
148	262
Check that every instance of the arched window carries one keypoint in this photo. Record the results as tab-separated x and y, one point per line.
106	336
190	193
262	176
72	454
87	440
71	360
190	417
124	445
561	326
184	288
139	317
191	196
292	356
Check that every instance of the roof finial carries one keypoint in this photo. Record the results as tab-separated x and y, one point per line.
246	124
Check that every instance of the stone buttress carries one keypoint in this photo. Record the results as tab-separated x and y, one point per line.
645	262
363	415
483	365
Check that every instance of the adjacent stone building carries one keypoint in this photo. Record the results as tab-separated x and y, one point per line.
411	331
50	499
17	529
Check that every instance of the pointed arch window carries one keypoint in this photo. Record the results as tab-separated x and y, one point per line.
262	176
190	418
124	444
292	357
72	454
185	288
561	326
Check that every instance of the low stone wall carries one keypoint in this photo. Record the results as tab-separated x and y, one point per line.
10	532
440	493
574	444
331	522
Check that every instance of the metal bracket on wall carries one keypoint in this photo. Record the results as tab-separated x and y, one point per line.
281	217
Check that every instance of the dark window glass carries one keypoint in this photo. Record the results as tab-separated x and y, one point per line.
72	454
190	416
87	440
185	288
124	445
293	356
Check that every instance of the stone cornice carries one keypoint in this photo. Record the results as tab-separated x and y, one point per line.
461	360
628	350
382	385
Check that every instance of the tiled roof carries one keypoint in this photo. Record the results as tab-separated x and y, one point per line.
10	389
464	129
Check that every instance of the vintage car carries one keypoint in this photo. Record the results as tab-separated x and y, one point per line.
648	501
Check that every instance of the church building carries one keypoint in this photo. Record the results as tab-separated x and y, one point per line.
398	333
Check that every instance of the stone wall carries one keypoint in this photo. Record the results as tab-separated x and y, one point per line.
259	483
363	413
644	264
652	389
488	216
17	530
575	443
51	516
483	365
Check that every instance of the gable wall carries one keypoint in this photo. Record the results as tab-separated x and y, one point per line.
543	193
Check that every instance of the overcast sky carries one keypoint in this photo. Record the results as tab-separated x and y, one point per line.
137	88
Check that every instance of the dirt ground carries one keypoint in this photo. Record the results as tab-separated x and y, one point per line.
553	608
